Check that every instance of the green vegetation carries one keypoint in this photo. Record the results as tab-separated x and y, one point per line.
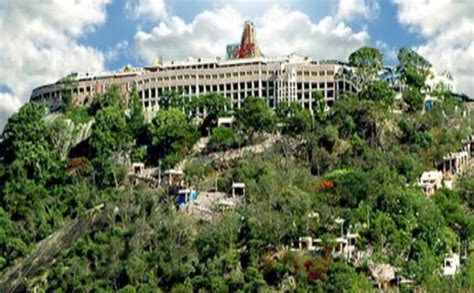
357	161
223	138
255	116
171	135
367	60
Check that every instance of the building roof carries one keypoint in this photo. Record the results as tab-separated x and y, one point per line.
431	175
173	172
238	185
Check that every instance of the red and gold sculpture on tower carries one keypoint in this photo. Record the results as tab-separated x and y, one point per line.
248	47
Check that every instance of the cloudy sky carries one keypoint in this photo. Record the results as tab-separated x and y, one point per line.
41	41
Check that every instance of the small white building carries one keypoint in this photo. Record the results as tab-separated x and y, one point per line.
430	181
138	169
225	121
443	81
238	189
309	243
451	265
454	163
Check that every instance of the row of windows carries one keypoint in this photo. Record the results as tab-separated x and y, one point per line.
155	92
192	89
229	75
306	103
330	94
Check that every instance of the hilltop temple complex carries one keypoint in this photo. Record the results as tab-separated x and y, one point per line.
244	72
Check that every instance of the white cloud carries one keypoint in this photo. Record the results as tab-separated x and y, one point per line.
448	27
154	9
205	36
351	9
9	104
40	44
115	52
280	31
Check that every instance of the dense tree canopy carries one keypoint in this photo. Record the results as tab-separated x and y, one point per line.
255	116
171	136
368	60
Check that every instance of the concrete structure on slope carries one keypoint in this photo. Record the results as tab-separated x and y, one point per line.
430	181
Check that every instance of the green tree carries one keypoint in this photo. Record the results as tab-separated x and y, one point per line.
298	120
171	135
26	146
409	58
378	91
213	106
136	120
109	134
222	138
344	278
110	139
413	98
413	77
173	99
67	86
368	60
255	116
111	98
319	105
